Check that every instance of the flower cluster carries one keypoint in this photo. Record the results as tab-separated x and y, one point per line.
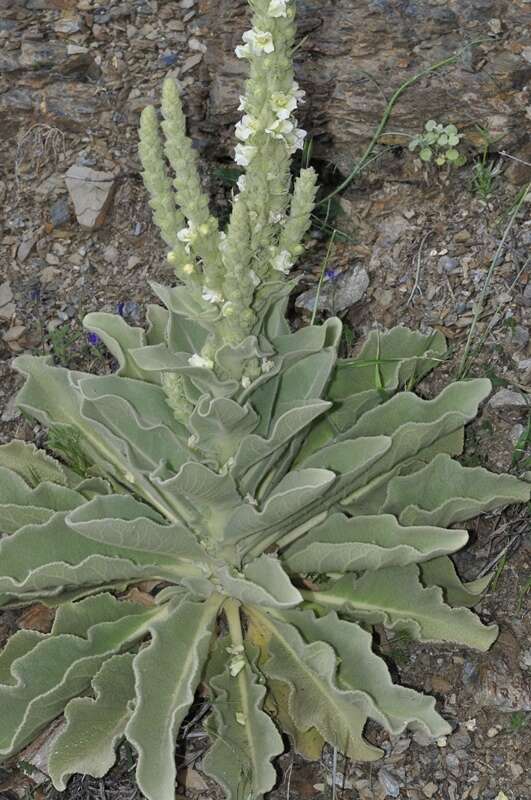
229	275
282	125
279	123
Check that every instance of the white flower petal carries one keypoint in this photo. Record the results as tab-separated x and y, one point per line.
210	296
277	8
283	262
244	154
198	361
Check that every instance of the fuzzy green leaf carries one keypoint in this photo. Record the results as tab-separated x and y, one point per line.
441	572
263	583
367	676
316	700
444	492
105	717
293	494
58	667
396	598
119	338
245	738
124	523
176	655
343	544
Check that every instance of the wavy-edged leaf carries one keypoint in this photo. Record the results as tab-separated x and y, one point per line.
396	598
159	358
219	424
245	739
122	522
304	380
316	700
355	544
104	716
176	655
385	362
186	302
137	415
232	359
119	338
262	583
158	319
58	667
254	450
349	461
212	495
50	397
297	490
34	466
27	505
441	572
48	558
366	675
309	743
444	492
310	339
415	424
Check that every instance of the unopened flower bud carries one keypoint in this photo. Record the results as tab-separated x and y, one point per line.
188	269
171	258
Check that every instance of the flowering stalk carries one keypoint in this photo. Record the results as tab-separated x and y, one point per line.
232	274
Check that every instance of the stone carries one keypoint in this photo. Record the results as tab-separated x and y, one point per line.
25	248
520	335
389	783
11	412
507	398
338	293
527	295
60	213
13	333
91	192
7	306
429	789
447	264
48	55
69	25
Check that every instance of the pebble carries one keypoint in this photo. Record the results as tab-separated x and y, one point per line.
520	335
91	192
60	213
462	236
7	306
389	783
448	264
461	739
338	294
429	789
507	398
25	248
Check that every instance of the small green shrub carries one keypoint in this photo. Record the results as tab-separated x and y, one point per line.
438	144
283	500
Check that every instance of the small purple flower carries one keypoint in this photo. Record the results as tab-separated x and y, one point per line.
120	309
330	274
35	294
93	339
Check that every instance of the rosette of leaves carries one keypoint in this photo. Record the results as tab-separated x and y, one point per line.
438	143
280	500
280	527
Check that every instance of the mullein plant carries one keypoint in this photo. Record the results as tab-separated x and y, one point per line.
280	501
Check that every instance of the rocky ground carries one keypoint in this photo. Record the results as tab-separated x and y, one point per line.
414	245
